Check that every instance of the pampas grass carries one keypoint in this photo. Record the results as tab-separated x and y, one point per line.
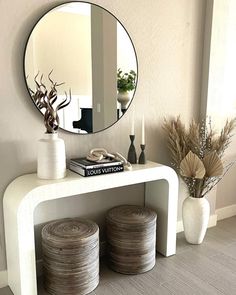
196	153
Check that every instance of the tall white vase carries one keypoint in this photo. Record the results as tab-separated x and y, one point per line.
196	212
51	157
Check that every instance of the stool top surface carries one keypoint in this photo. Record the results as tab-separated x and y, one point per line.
131	214
72	231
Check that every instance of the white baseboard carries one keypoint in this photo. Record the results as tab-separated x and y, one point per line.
221	213
212	222
3	279
226	212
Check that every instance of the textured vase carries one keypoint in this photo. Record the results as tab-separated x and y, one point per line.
51	157
123	98
196	212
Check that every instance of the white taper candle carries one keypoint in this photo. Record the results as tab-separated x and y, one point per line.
143	131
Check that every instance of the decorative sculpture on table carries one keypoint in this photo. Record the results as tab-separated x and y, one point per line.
51	149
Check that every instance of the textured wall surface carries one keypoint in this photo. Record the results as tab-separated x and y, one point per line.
168	36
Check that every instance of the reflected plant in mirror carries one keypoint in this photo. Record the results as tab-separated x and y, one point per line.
85	45
126	83
45	99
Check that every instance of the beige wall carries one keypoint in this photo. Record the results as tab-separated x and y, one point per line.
168	37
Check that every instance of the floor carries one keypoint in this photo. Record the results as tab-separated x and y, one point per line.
207	269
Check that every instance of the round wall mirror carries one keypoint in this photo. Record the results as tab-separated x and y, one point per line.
84	47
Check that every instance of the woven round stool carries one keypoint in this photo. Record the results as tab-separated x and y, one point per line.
131	237
70	256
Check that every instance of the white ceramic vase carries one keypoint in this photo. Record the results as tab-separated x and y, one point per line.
51	157
196	212
123	98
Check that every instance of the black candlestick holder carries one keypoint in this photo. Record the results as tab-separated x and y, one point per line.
132	156
142	159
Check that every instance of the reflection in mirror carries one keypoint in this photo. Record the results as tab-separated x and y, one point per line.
85	46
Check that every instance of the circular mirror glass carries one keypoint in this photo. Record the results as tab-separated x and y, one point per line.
87	49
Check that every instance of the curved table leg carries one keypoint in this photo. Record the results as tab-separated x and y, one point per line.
162	196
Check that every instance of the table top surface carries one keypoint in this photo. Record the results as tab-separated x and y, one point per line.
30	186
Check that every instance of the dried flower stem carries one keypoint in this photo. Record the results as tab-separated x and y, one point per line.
44	99
204	143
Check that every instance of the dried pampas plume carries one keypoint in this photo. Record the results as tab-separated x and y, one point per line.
196	153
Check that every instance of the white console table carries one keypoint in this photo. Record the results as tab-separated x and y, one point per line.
26	192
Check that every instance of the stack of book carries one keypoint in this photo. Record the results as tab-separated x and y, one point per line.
86	167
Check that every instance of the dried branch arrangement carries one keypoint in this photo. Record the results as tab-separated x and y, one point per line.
197	153
45	99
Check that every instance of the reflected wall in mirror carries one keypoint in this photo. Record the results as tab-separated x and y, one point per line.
85	46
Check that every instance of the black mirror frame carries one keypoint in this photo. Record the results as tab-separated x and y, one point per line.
24	70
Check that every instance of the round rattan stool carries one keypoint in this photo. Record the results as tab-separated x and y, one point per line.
131	238
70	256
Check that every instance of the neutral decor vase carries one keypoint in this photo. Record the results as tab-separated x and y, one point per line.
123	98
51	157
196	212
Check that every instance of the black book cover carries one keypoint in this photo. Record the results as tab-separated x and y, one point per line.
87	164
96	171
